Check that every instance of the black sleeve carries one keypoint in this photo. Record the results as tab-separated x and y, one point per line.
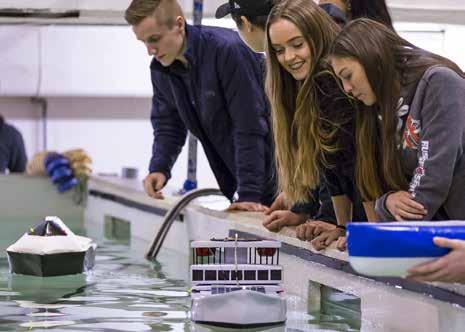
326	210
310	207
318	206
18	158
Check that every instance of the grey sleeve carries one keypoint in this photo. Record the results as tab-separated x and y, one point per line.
442	117
380	208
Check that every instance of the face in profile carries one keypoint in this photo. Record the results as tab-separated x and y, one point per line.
354	79
291	48
163	42
252	35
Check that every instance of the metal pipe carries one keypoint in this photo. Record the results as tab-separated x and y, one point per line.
191	181
42	102
172	214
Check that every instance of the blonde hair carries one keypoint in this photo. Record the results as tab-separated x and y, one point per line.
138	10
302	136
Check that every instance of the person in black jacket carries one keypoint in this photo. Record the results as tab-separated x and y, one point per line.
12	152
207	81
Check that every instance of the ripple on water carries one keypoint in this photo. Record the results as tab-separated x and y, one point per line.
33	305
119	326
47	323
45	314
160	293
90	299
6	293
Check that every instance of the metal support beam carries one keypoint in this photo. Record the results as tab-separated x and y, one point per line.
42	102
191	181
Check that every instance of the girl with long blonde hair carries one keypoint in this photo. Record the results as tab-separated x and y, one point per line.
312	117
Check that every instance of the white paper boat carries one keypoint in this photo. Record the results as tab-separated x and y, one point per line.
51	249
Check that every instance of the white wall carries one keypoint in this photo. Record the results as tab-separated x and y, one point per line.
443	39
116	132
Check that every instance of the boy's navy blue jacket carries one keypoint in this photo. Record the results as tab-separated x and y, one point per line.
12	151
219	98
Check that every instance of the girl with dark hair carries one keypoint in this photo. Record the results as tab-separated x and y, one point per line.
312	118
411	138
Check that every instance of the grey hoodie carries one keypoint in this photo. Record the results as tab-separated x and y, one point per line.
432	145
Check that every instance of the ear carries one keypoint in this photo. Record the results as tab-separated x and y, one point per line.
246	24
180	23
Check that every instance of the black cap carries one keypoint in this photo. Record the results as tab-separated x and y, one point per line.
251	8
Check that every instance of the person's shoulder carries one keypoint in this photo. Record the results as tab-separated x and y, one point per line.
333	102
218	33
227	45
221	38
439	75
9	131
328	84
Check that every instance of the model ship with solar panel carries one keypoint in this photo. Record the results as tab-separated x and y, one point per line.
237	283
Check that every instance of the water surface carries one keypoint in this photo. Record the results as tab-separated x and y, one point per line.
124	292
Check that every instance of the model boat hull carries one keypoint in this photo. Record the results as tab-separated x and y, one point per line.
49	265
241	308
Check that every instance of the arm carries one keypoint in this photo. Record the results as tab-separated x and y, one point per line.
309	208
381	209
369	208
343	209
399	206
448	268
296	215
246	103
169	132
440	139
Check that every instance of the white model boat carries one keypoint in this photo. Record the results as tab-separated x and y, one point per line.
51	249
237	283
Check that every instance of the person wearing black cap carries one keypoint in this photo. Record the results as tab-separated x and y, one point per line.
12	152
250	17
207	81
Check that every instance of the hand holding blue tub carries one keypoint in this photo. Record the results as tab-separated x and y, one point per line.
422	250
448	268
